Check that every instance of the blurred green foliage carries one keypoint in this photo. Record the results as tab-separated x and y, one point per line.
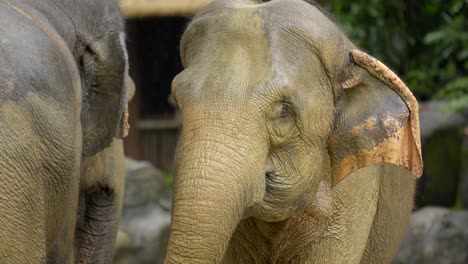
425	42
169	177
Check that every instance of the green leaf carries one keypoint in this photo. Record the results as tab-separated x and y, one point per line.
434	37
456	6
462	55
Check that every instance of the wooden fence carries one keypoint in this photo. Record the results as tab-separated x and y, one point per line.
158	139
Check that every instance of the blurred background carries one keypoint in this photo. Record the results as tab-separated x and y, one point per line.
424	42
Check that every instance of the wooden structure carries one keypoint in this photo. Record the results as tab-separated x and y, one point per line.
154	28
146	8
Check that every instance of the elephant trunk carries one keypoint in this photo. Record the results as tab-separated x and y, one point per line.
217	179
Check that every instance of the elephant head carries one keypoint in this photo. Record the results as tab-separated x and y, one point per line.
275	100
101	52
94	33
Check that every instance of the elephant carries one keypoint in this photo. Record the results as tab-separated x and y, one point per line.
296	146
64	90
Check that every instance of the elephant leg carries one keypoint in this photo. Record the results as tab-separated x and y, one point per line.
38	186
396	197
62	249
100	205
22	220
31	229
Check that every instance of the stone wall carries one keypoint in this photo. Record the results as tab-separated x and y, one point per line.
436	235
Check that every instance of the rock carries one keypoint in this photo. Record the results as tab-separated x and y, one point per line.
436	115
436	236
144	184
146	213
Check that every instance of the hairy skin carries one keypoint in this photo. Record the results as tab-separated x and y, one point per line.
291	151
63	89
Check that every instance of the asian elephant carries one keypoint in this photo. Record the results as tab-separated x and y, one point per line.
64	88
296	146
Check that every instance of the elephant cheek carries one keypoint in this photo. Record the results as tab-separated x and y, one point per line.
294	185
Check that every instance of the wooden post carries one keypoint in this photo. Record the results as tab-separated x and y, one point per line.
145	8
132	141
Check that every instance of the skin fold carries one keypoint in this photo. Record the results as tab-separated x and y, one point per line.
64	87
291	151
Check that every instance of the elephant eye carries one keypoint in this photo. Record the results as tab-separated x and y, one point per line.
286	110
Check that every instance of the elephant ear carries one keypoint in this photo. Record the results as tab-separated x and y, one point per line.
104	113
378	121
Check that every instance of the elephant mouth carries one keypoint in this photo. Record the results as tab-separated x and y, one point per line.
276	205
273	184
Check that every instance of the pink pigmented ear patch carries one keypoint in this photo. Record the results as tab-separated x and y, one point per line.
383	73
124	124
384	130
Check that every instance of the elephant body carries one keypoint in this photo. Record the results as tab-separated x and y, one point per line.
60	178
296	147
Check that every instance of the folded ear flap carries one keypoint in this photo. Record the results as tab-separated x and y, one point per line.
124	127
104	113
378	121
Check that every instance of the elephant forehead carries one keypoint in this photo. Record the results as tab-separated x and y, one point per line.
225	59
222	30
253	47
235	61
260	25
291	31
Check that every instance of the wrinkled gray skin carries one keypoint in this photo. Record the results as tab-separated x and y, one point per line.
63	87
261	100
